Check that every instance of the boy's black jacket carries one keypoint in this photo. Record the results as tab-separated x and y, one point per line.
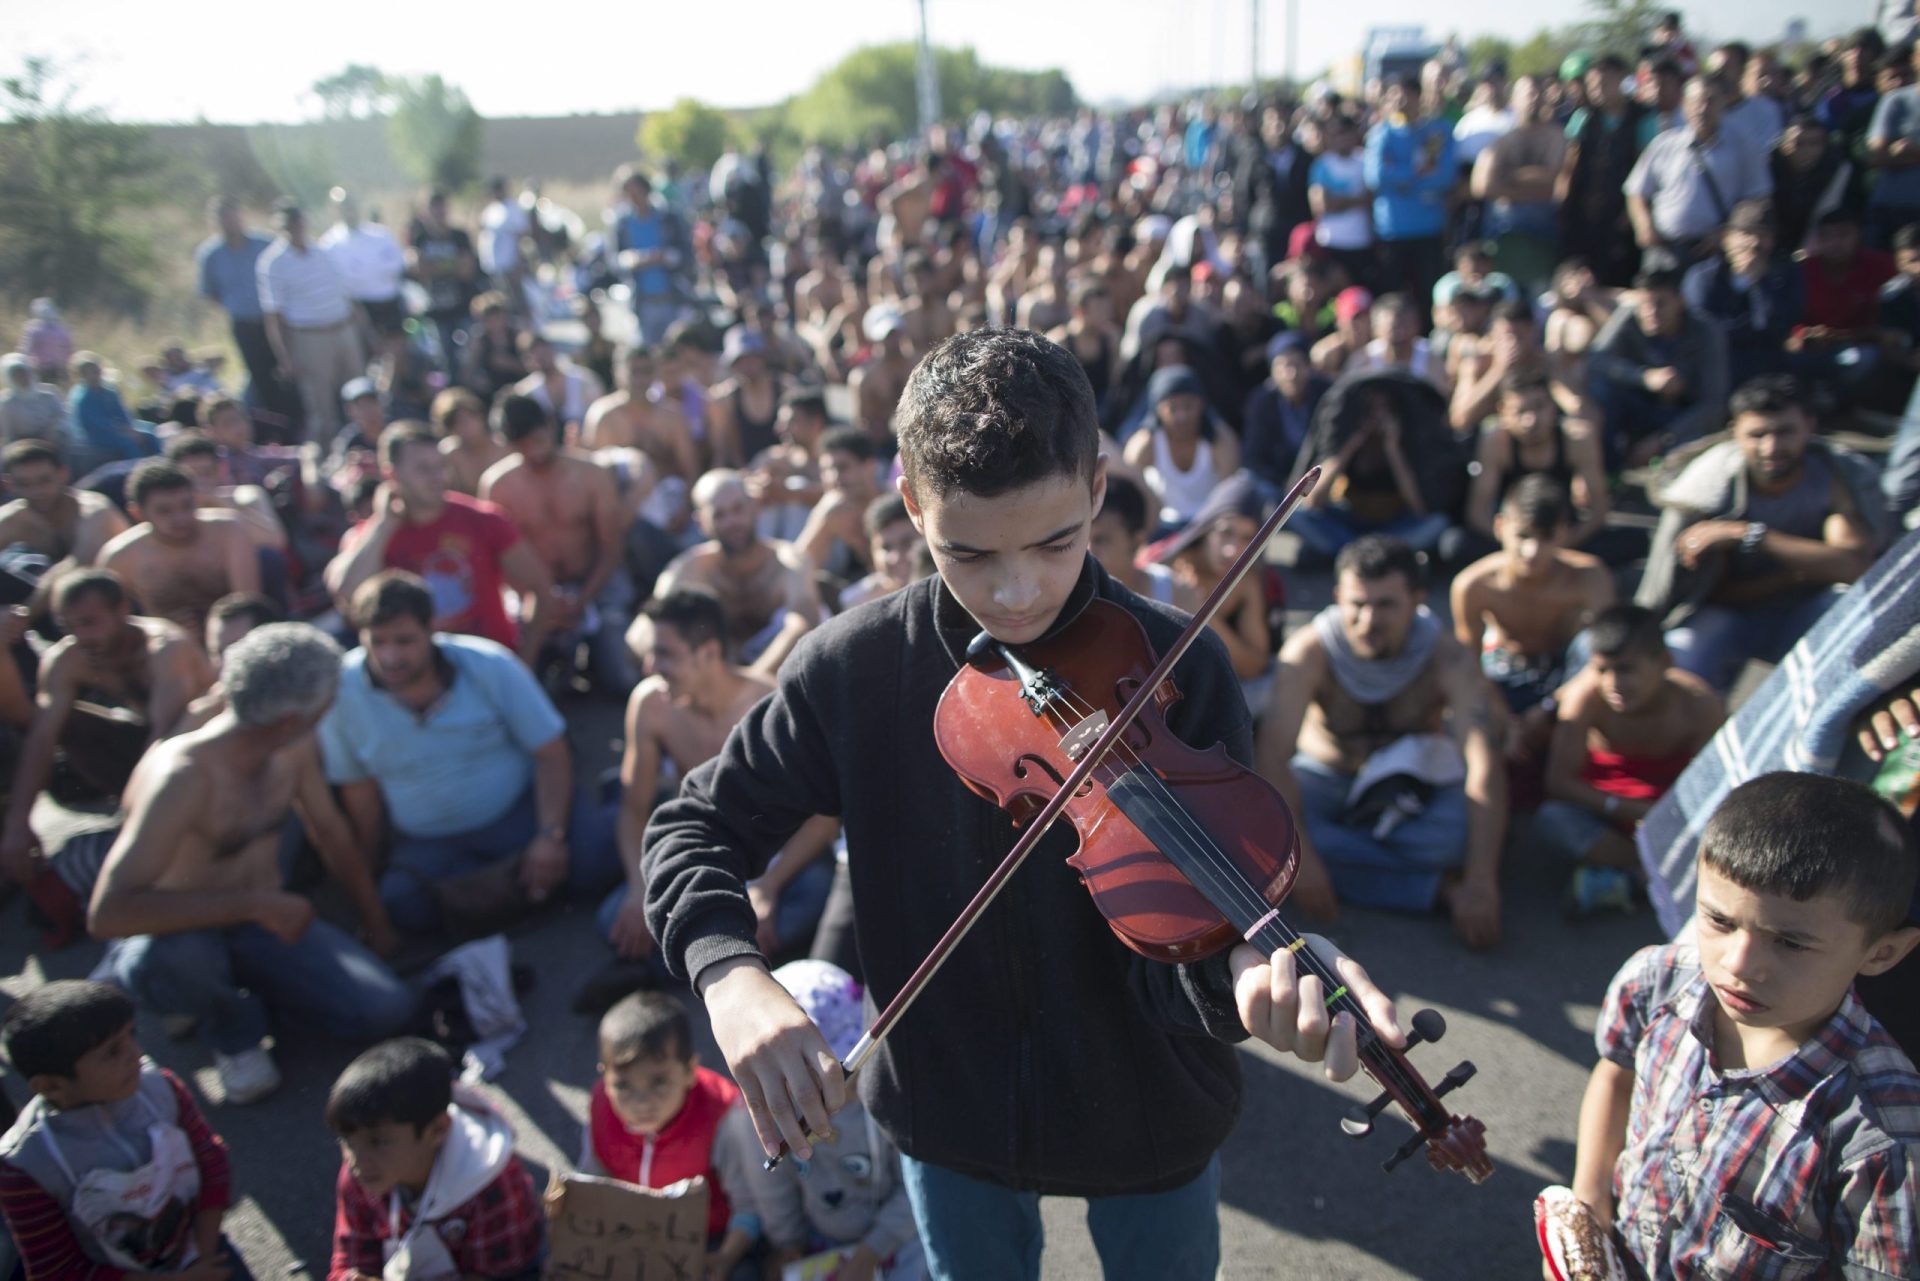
1045	1056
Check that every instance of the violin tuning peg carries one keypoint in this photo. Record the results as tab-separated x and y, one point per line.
1461	1074
1357	1123
1411	1147
1428	1027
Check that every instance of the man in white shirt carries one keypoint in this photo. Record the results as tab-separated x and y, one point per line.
313	323
371	263
502	225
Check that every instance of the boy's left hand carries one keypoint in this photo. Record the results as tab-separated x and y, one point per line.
1288	1010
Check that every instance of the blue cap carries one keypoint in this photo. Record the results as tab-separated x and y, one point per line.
1285	341
1174	380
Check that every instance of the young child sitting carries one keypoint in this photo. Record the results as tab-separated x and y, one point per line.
1748	1117
1521	608
1626	725
848	1197
657	1117
429	1187
110	1167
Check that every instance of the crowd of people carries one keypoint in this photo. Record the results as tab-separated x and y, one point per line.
1576	351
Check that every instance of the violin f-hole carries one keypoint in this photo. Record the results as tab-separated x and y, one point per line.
1045	766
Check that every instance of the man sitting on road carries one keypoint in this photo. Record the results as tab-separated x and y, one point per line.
1388	742
834	540
448	753
109	689
49	519
181	558
765	587
465	549
192	887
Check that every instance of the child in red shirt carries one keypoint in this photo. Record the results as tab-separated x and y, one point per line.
657	1117
429	1188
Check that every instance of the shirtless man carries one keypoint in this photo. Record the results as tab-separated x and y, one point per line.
1521	608
765	587
230	621
181	558
741	410
909	201
192	886
895	547
924	311
108	689
835	538
570	512
67	526
563	388
822	290
1628	723
636	418
460	420
199	457
1376	676
877	384
784	479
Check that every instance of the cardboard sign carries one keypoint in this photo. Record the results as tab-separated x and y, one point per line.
606	1230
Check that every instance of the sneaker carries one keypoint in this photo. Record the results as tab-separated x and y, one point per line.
247	1077
1594	890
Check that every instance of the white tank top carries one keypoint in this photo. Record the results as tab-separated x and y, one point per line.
1182	493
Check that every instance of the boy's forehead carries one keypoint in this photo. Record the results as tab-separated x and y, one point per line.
1008	521
1823	915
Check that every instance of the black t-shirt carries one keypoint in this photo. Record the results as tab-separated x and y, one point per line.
439	251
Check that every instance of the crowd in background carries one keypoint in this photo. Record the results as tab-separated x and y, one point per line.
1617	364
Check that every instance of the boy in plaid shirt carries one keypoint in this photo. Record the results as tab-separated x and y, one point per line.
429	1188
1748	1118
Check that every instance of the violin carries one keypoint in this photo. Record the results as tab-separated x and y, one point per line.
1185	851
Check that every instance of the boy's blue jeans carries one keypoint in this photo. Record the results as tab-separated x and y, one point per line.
970	1228
1401	873
1716	641
228	979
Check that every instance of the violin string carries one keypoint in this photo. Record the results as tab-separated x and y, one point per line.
1204	847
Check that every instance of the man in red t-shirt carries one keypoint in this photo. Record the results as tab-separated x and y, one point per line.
1838	339
465	549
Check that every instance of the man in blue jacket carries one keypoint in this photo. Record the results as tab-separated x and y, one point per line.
1410	169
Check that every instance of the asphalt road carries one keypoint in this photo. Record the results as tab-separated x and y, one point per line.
1299	1198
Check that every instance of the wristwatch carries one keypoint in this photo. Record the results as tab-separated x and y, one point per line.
1750	541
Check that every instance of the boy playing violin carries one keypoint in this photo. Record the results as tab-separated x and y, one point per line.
1045	1059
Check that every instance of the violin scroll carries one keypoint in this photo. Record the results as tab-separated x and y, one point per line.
1450	1142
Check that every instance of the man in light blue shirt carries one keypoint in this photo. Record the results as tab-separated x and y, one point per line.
646	242
449	745
227	264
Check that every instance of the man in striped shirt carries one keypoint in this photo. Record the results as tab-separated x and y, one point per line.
1748	1118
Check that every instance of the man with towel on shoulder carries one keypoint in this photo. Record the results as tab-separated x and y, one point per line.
1389	744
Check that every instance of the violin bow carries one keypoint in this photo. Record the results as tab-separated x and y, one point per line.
1090	759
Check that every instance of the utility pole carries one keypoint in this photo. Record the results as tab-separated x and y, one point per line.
1253	48
1293	45
926	78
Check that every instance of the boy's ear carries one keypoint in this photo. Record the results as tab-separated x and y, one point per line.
438	1128
913	505
50	1087
1890	949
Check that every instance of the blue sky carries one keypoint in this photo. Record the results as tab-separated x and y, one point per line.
200	61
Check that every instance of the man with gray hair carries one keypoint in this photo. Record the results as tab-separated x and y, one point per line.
192	890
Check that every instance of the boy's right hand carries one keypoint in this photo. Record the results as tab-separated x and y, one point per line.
791	1080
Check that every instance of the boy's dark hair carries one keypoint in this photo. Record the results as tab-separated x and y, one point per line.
645	1025
693	613
1539	503
407	1080
1126	501
49	1028
211	407
848	440
1619	630
807	400
255	608
1378	556
516	417
396	439
1802	835
390	595
1523	380
155	476
191	444
30	450
995	409
888	509
78	584
1768	394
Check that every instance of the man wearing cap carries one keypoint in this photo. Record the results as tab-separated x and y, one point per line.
1757	299
371	262
1658	370
1603	143
741	411
1687	182
876	384
1279	412
313	323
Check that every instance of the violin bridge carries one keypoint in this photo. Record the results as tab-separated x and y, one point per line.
1077	740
